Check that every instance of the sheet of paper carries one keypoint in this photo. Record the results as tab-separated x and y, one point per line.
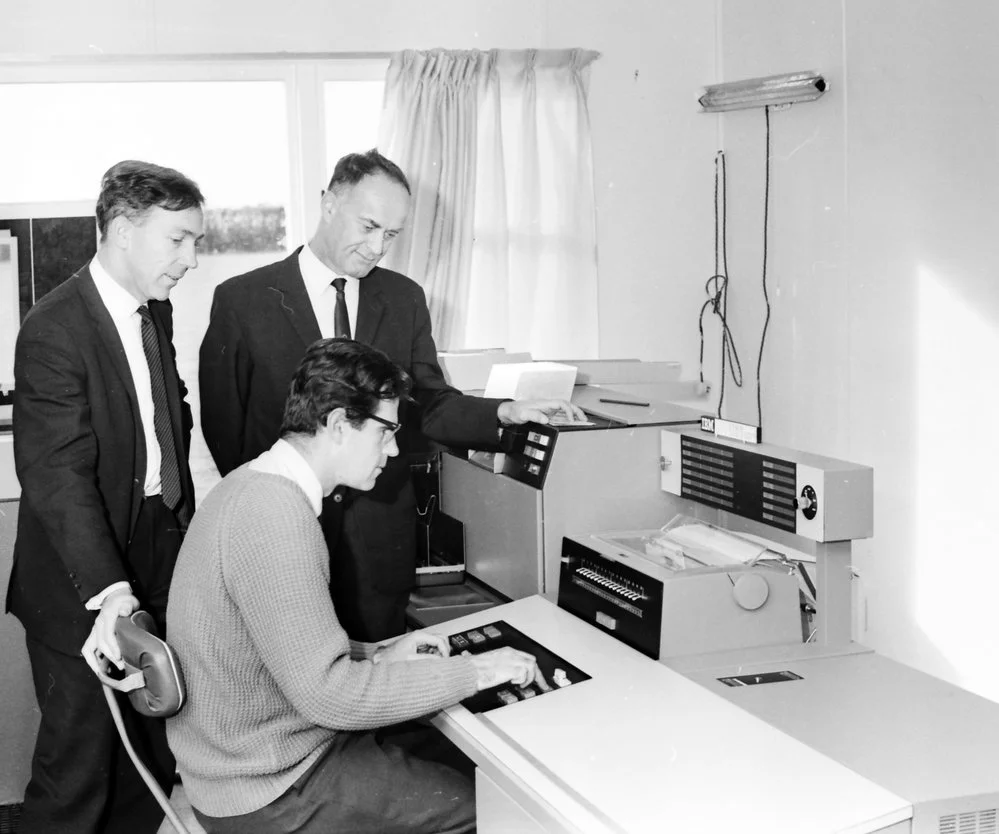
469	370
565	421
718	546
531	381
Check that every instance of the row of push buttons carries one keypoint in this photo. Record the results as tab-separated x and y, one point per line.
610	584
522	693
460	643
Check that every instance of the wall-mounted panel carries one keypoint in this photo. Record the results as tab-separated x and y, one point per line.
40	246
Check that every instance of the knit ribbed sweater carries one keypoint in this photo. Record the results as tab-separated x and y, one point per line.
271	675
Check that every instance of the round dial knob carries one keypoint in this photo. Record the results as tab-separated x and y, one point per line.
751	591
808	503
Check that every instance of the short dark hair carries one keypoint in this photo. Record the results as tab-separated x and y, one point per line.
340	373
354	167
131	188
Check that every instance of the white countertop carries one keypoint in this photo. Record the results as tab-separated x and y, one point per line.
641	748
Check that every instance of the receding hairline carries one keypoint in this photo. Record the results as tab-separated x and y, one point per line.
354	167
339	189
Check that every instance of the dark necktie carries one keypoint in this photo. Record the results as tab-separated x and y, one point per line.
341	324
169	471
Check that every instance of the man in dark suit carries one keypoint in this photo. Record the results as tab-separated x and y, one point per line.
101	436
261	324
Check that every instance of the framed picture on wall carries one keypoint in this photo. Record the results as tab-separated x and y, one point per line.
41	245
10	317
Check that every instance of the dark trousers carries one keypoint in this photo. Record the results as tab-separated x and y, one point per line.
372	544
82	779
374	615
402	780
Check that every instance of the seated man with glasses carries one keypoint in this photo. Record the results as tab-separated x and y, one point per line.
289	724
390	427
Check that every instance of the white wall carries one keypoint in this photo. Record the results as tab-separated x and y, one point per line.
806	351
924	175
173	27
654	167
884	332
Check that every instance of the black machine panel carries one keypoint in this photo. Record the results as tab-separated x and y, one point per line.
743	482
529	450
554	672
614	597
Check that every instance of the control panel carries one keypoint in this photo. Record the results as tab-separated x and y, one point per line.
615	597
554	673
819	498
529	448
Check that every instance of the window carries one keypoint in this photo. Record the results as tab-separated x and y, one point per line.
353	93
259	137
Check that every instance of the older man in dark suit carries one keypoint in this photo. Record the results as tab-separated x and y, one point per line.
261	324
101	435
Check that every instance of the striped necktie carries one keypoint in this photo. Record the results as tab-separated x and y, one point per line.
169	470
341	323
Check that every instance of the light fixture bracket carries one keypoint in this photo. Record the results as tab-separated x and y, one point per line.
770	90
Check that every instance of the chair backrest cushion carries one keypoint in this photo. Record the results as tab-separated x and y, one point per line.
142	650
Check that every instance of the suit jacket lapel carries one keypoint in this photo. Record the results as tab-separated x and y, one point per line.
370	309
289	297
108	334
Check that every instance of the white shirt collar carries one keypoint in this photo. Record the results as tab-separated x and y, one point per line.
283	459
316	274
121	304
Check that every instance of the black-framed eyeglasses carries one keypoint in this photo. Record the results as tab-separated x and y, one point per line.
392	427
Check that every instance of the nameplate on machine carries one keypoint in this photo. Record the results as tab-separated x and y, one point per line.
762	677
743	432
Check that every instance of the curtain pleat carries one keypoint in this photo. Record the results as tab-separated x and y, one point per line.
502	235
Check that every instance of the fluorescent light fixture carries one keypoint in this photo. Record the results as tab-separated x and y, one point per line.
763	92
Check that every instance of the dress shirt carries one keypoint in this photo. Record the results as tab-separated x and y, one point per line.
284	459
322	294
123	309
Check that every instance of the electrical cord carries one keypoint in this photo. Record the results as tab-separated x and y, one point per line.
717	287
716	300
766	296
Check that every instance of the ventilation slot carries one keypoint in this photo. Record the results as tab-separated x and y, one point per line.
972	822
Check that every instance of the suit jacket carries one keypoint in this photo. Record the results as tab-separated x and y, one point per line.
80	457
261	324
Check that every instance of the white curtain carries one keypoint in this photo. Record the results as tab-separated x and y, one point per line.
497	149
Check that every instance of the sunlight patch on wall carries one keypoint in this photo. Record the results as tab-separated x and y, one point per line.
955	521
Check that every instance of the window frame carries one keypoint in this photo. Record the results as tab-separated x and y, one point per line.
302	74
